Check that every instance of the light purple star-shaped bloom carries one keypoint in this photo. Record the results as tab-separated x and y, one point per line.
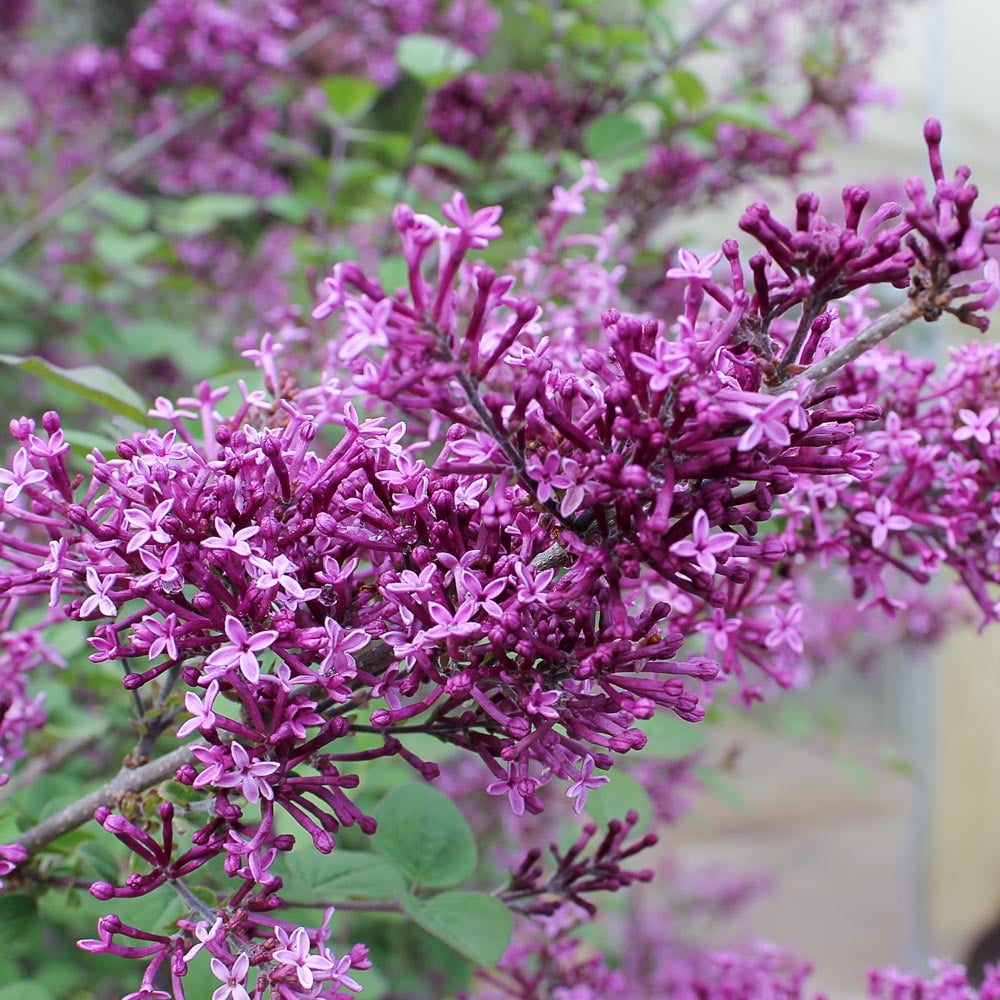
233	541
541	702
692	269
670	360
512	786
480	227
366	326
703	547
247	774
240	652
296	954
786	631
278	572
164	636
339	973
19	476
148	525
977	425
579	789
233	979
204	932
100	600
882	520
202	716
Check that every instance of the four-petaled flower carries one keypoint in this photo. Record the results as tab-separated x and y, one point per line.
578	790
247	774
100	600
517	786
701	546
786	631
148	525
296	954
234	541
692	269
240	652
202	716
977	425
233	979
882	520
20	476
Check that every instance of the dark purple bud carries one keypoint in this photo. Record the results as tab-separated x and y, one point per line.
102	891
932	136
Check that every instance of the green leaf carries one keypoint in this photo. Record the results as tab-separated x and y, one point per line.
289	207
474	924
422	833
118	249
689	88
616	138
100	862
528	165
203	212
25	990
671	737
344	874
432	60
124	209
96	385
614	799
20	924
746	115
155	338
16	283
349	96
449	157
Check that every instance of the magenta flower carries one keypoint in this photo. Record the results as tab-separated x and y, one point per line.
240	652
542	703
100	600
701	546
882	520
692	269
164	637
671	359
977	425
366	326
515	786
579	789
19	476
233	979
478	227
247	774
233	541
202	716
296	954
148	525
279	572
786	631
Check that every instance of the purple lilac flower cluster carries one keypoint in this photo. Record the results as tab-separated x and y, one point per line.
482	114
483	570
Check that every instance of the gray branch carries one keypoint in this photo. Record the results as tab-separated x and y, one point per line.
135	779
883	328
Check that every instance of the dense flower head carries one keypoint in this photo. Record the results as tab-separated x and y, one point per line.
520	535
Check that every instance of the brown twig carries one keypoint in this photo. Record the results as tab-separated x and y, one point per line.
881	329
136	779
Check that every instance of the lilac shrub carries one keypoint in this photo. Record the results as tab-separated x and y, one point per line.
535	536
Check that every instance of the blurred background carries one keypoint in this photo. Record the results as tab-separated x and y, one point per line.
884	840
